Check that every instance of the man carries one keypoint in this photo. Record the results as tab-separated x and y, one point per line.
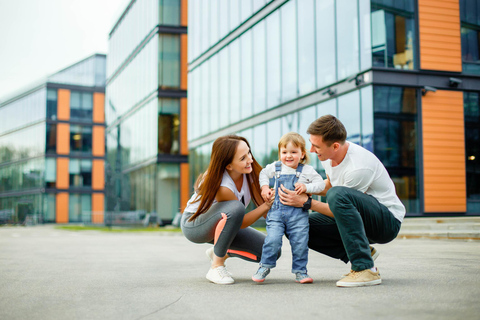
362	206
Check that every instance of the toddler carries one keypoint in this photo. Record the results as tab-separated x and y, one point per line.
291	172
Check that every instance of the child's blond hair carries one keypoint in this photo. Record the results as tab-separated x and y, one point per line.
298	141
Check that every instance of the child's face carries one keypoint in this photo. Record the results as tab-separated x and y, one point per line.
291	155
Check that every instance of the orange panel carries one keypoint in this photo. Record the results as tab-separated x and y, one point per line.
183	126
98	207
63	104
63	138
62	207
439	27
184	13
62	173
184	185
98	174
183	61
98	107
444	152
98	141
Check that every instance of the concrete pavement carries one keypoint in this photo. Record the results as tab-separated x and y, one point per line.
46	273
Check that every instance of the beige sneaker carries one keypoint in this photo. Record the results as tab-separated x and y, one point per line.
360	278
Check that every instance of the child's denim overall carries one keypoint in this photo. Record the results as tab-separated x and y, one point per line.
291	221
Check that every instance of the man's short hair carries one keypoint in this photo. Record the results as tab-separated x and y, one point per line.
330	128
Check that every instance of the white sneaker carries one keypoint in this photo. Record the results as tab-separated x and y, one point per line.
219	275
209	254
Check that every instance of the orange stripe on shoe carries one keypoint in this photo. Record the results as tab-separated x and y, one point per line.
219	227
243	254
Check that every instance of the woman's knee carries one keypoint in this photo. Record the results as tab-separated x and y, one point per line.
234	210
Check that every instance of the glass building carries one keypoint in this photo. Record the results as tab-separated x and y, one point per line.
52	148
403	76
146	109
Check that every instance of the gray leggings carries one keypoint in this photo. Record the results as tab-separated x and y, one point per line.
243	243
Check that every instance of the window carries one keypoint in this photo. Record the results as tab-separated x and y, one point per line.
80	172
80	208
472	149
52	104
81	106
80	139
470	33
168	126
51	145
395	139
169	12
169	61
50	172
393	34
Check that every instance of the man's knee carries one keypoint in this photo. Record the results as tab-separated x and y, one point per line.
336	193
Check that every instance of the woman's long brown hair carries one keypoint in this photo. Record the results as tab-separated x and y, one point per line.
208	183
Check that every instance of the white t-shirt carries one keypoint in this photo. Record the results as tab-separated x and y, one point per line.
309	177
361	170
228	182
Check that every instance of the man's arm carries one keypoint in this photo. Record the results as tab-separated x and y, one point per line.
290	198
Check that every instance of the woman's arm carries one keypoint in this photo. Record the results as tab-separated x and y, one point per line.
290	198
225	194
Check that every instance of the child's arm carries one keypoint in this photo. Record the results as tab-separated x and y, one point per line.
300	188
266	193
317	184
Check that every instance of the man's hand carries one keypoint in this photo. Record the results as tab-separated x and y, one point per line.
300	188
291	198
266	194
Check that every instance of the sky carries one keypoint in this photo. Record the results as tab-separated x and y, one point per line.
41	37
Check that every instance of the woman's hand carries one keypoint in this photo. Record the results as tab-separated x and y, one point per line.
291	198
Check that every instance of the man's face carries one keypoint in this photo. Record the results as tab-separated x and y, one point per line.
319	147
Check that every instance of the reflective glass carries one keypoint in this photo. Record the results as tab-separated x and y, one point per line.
224	88
205	110
168	126
395	139
52	104
214	102
273	61
365	35
50	172
259	144
246	67
234	49
349	114
366	97
169	61
347	38
472	149
289	51
325	41
306	46
169	12
274	130
80	172
259	68
49	207
393	34
81	106
80	139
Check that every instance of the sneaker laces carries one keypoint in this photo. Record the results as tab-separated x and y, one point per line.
223	272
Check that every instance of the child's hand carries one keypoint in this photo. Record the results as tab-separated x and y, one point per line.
300	188
266	193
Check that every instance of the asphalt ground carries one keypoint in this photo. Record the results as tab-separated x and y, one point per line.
47	273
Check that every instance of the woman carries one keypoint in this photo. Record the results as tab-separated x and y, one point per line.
216	212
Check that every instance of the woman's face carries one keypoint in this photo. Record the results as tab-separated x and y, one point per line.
242	161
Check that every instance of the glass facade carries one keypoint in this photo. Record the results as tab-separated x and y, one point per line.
29	138
261	69
393	34
144	90
472	150
470	31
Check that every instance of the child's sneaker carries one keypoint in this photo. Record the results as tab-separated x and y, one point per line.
303	278
260	275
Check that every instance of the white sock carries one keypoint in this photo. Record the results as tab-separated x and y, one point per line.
374	269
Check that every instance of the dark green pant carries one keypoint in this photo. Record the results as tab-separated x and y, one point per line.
359	220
